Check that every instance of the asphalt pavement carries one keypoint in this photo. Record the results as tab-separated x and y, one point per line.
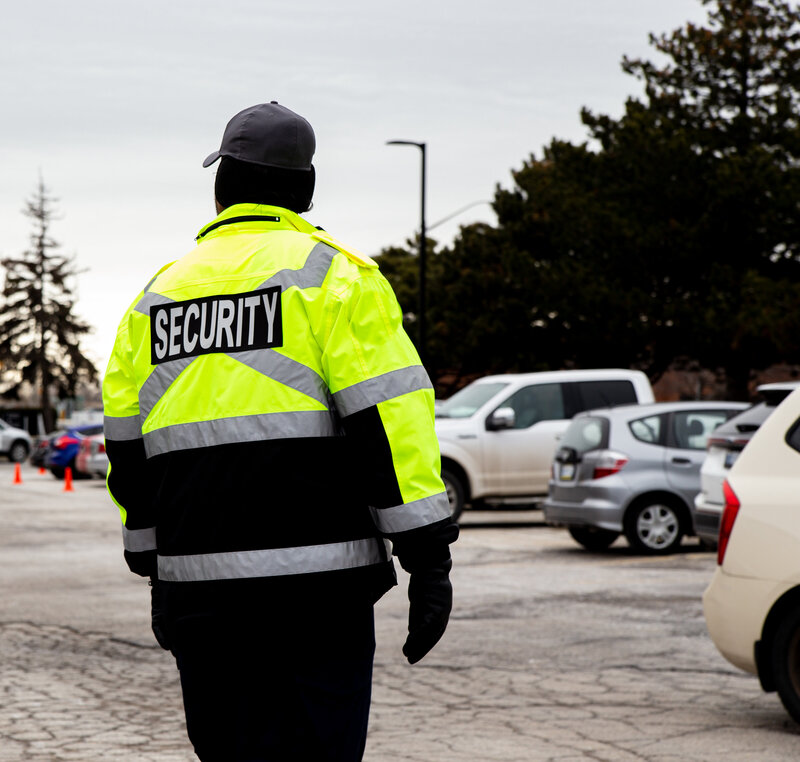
553	653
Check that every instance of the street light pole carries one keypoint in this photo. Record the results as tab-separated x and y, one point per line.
421	326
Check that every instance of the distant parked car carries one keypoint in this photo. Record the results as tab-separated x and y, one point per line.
91	459
63	448
498	434
40	448
723	449
15	443
752	605
632	470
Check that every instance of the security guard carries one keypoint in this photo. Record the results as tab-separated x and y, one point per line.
270	432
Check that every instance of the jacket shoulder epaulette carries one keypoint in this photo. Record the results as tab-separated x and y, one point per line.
362	260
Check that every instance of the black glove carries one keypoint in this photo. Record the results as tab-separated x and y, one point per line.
431	597
158	617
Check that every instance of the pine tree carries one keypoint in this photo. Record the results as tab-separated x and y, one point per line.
39	331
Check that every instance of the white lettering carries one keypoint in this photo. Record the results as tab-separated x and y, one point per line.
191	311
250	303
270	308
207	341
226	310
160	347
174	330
239	322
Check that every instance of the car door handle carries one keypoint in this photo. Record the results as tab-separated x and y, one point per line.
681	461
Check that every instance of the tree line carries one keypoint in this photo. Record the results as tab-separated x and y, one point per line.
670	235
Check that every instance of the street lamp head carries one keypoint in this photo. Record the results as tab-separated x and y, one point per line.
405	143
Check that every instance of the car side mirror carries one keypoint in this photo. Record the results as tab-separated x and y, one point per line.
502	418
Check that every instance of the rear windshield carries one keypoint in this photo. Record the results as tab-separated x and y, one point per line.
745	422
586	433
774	397
471	398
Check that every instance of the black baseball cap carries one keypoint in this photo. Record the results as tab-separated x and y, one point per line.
270	135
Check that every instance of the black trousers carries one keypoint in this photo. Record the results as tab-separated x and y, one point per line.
284	688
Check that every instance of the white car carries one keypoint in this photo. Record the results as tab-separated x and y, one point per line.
752	606
498	435
15	443
724	448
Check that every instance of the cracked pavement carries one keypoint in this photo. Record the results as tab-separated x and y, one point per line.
553	653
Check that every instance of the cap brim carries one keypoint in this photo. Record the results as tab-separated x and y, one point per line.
211	158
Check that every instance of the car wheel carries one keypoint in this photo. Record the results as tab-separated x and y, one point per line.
593	538
18	452
786	662
57	471
654	527
455	493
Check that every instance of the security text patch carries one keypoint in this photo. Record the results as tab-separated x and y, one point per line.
229	323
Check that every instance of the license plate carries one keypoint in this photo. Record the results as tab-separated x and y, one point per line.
567	472
730	458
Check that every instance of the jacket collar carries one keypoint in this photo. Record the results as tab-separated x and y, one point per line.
259	216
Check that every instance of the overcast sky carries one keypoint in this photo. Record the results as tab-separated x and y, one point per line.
117	104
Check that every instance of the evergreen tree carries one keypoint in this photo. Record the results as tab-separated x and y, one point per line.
39	331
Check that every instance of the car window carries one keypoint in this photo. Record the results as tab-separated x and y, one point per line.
647	429
692	428
605	393
585	434
466	402
539	402
793	437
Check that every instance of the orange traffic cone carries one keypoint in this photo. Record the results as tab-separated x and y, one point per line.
17	474
68	480
42	470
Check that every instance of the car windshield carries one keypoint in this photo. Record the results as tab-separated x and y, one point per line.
588	433
471	398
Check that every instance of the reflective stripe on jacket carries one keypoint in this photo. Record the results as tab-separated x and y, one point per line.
265	413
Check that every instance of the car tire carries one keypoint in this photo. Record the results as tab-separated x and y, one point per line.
455	493
593	538
654	527
786	662
18	452
57	471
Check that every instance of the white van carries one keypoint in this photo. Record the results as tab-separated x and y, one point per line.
499	434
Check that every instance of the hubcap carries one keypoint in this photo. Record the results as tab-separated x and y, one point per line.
657	527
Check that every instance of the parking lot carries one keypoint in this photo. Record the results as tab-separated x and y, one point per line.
553	653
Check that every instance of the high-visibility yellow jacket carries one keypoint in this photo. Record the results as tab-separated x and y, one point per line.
267	417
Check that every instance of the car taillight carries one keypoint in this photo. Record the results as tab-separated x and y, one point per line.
101	447
727	443
729	514
607	464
